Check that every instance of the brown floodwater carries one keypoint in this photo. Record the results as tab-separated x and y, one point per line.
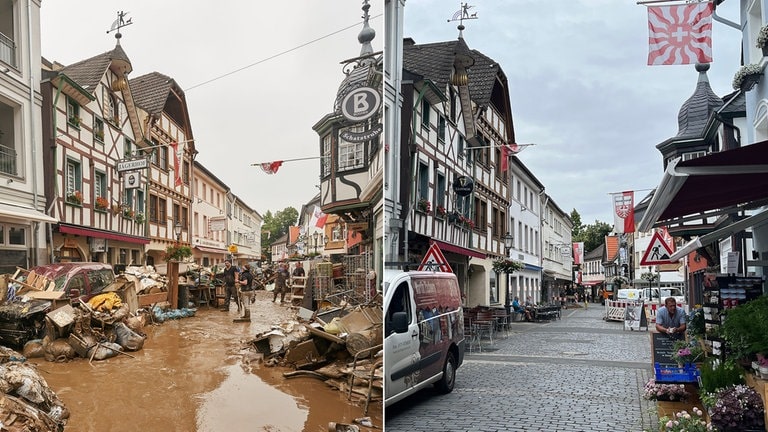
190	377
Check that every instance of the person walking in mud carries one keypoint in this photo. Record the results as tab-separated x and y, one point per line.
230	276
245	286
281	280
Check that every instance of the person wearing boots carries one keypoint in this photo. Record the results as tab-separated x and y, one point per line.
281	279
229	275
245	287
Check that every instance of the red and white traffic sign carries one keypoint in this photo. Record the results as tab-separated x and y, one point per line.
434	260
658	251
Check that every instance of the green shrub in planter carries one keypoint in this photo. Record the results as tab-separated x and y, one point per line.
717	375
745	329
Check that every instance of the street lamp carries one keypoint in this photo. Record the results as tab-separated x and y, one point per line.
177	231
509	241
315	240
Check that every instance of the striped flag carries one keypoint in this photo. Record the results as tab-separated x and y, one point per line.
176	168
271	167
680	34
624	212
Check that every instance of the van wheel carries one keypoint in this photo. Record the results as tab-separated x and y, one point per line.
448	381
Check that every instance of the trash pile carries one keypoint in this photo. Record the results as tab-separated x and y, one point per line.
340	347
27	404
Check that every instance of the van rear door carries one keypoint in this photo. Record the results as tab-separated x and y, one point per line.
401	345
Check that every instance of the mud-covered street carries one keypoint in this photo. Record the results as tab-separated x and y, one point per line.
190	376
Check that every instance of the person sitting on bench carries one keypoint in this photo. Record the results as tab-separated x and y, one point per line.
529	306
516	308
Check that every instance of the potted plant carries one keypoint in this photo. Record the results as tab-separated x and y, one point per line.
128	213
762	40
441	212
738	408
747	76
101	203
717	375
424	206
503	265
664	392
139	218
745	330
683	421
75	120
99	134
75	197
177	252
687	352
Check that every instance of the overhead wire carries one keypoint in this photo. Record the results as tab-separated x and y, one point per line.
278	54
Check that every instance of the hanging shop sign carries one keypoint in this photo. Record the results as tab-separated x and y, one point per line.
356	137
132	164
360	104
463	185
132	180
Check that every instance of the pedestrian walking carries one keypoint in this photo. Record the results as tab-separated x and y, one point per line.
230	276
281	279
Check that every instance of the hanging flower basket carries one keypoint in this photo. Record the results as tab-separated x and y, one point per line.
747	77
502	265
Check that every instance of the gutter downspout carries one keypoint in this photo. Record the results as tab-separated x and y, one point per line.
33	142
54	147
412	200
541	233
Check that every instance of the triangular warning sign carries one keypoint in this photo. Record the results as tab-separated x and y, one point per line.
434	260
658	251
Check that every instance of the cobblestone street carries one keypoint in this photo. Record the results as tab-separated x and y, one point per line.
579	373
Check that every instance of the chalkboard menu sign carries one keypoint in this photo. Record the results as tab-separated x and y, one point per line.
663	345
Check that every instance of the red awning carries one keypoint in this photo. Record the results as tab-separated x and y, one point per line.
447	247
211	250
716	181
109	235
591	283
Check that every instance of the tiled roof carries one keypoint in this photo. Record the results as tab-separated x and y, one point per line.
612	247
88	73
150	91
435	62
595	254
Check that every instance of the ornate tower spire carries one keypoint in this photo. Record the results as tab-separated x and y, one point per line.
367	33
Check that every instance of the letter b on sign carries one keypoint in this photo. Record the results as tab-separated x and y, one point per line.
360	104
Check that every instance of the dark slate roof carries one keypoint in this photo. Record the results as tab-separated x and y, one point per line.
596	253
696	111
88	73
734	104
150	91
434	61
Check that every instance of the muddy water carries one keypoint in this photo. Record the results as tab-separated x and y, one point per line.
189	377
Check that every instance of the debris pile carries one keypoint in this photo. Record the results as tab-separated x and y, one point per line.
342	348
27	404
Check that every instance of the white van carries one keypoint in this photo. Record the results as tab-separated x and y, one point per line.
423	332
658	294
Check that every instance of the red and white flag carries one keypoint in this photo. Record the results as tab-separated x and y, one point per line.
271	167
507	150
176	168
624	212
680	34
578	253
318	218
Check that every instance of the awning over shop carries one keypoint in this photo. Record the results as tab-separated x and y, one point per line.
715	181
92	232
24	214
718	234
592	283
211	250
532	267
447	247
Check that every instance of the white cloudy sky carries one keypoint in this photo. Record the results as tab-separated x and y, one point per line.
580	88
264	112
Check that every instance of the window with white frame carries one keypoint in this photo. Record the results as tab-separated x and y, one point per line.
127	147
351	155
99	184
74	176
98	130
73	113
9	149
325	153
441	129
425	108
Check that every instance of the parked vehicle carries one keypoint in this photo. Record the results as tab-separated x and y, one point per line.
423	332
79	280
658	294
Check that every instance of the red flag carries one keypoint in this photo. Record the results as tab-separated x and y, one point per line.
176	170
271	167
506	151
624	212
680	34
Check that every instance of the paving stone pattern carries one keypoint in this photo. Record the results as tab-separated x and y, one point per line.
580	373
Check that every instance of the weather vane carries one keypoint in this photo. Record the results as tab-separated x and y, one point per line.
119	23
463	14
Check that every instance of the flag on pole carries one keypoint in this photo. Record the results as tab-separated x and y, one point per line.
508	150
680	34
271	167
624	212
318	218
176	168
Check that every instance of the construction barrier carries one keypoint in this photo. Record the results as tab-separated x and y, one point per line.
615	309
